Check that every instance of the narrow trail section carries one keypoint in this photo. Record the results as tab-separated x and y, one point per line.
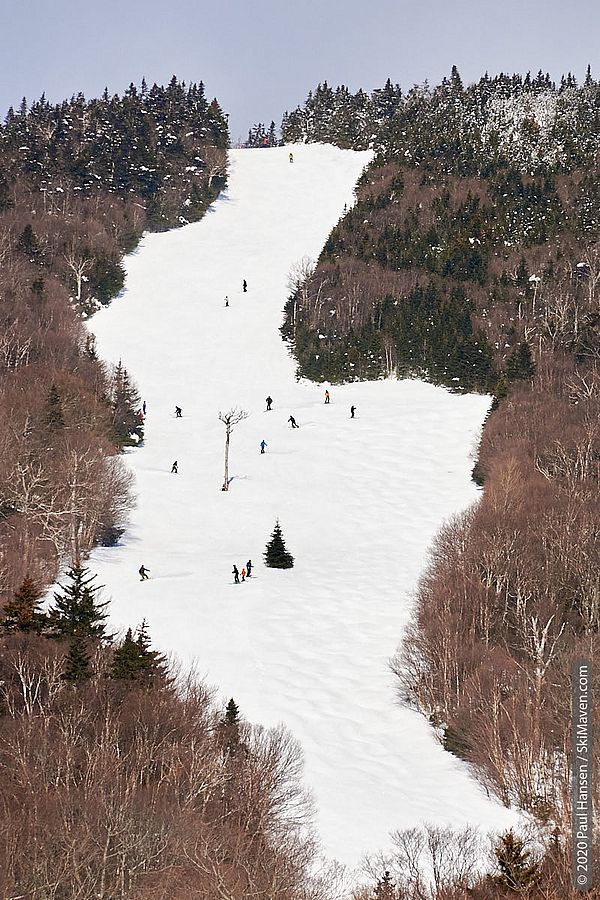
359	501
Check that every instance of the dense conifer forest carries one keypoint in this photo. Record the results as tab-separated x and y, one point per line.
472	259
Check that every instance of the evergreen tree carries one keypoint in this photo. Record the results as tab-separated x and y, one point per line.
28	243
153	663
126	420
23	612
5	200
520	365
37	288
133	660
456	81
125	664
106	278
276	555
77	662
500	392
77	612
517	872
232	713
54	415
385	890
229	729
217	126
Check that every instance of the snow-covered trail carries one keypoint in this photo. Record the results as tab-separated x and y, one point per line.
359	502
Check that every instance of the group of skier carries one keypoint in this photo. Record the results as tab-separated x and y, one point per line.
269	401
245	573
247	570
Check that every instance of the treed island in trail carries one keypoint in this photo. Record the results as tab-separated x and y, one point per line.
468	260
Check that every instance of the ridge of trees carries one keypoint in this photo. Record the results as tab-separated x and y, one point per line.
527	121
82	179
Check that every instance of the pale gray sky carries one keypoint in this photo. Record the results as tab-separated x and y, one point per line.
260	57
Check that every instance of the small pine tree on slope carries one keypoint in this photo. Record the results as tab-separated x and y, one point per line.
126	660
276	554
76	611
230	734
133	660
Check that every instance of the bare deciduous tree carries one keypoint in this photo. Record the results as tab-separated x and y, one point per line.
79	266
230	419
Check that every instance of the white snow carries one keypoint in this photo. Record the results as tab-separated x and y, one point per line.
359	502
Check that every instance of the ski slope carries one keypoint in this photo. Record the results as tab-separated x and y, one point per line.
359	502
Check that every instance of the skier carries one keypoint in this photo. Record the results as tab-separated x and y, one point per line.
243	574
269	401
177	412
236	575
226	301
291	157
352	411
249	568
244	285
293	421
174	468
326	396
144	407
263	444
143	573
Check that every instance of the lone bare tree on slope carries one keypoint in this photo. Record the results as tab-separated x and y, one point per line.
229	419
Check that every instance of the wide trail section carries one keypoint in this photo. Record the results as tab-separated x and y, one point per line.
359	501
